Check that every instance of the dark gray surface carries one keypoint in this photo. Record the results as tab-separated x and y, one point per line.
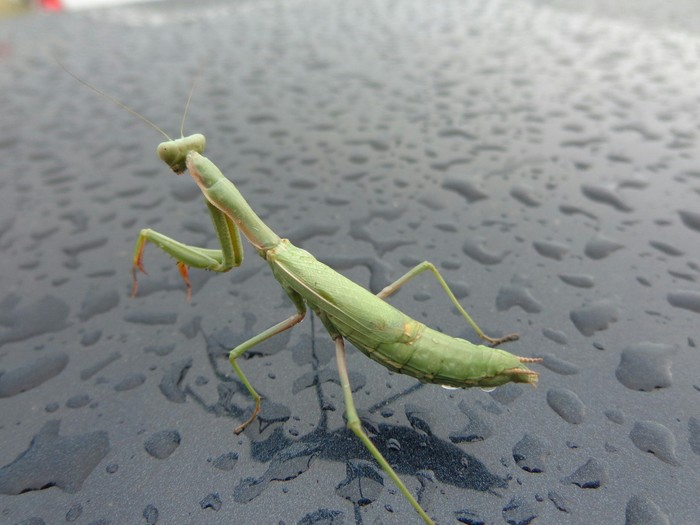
546	160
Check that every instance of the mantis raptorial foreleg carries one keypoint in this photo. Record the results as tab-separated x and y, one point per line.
355	425
263	336
229	256
422	267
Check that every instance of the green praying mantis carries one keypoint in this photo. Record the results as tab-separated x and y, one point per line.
347	310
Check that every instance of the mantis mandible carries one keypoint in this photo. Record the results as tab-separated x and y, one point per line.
347	310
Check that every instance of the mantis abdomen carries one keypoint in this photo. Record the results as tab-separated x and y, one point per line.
389	336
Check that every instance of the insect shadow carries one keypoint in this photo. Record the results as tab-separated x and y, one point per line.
431	459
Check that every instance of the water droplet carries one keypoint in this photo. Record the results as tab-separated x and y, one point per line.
594	317
691	219
641	510
590	475
43	464
474	248
517	293
601	246
33	374
605	195
655	438
393	444
567	404
645	366
686	299
530	452
551	250
163	443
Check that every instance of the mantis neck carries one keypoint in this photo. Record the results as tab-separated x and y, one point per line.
255	230
223	194
230	201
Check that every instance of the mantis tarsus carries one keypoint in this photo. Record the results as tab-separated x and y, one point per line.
347	310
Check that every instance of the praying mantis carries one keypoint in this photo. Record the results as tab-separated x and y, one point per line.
347	310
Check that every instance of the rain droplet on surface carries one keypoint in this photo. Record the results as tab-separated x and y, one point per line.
595	317
474	248
170	383
98	302
567	404
691	219
551	250
558	365
655	438
526	195
150	514
88	372
45	315
600	247
605	195
555	335
645	366
519	511
464	188
162	444
641	510
517	293
616	416
31	375
475	429
54	461
226	461
579	281
530	453
78	401
590	475
130	382
686	299
666	248
559	501
694	434
212	502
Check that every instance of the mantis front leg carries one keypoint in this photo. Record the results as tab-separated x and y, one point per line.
422	267
229	256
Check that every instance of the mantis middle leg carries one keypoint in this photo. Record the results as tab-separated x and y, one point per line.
229	256
422	267
263	336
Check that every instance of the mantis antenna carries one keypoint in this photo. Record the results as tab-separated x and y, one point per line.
189	97
187	107
119	102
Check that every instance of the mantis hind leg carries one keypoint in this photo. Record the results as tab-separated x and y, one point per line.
222	260
422	267
355	425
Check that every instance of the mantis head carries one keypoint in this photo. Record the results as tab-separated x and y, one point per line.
174	152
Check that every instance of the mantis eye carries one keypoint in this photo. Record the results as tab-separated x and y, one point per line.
169	153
